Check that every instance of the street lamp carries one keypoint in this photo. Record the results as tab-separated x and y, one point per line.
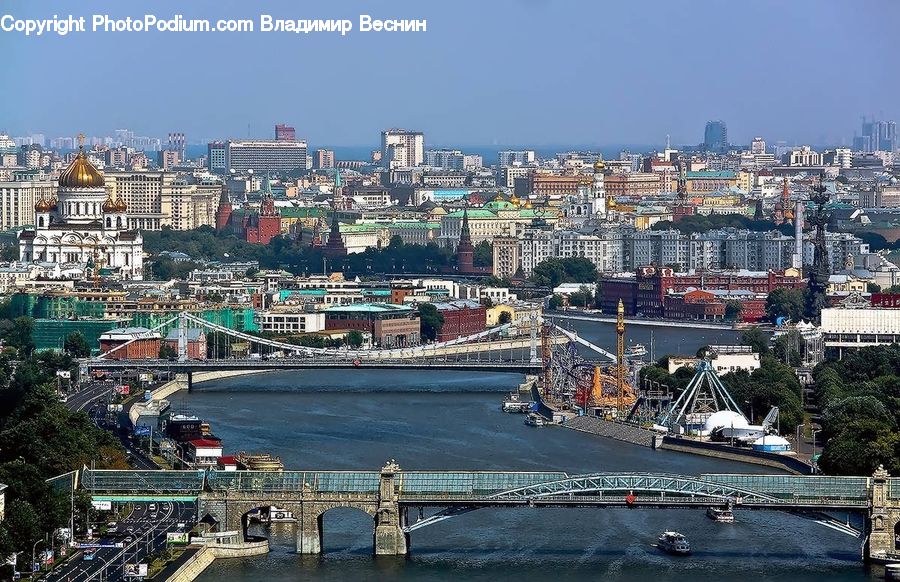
814	444
33	548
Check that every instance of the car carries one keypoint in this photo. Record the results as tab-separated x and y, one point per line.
138	507
152	507
130	528
129	539
112	524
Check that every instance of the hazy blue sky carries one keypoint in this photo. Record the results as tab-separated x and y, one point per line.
486	71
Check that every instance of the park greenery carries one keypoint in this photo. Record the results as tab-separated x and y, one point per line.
859	397
699	223
553	272
40	438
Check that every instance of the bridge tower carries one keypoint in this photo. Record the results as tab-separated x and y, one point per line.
390	539
182	337
884	518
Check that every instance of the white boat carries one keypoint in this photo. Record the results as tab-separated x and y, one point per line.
674	543
720	514
277	514
534	420
635	351
515	405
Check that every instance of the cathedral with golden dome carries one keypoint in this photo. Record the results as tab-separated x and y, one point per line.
83	225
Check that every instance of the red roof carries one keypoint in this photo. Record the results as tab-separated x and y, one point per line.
205	443
227	460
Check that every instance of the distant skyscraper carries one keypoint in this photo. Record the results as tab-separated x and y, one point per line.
324	159
515	158
262	155
715	137
285	133
215	156
877	136
758	146
401	148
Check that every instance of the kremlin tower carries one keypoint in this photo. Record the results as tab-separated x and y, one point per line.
465	251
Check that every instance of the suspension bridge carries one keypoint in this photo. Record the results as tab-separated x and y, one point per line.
401	502
512	347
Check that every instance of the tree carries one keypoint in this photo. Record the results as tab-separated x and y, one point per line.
76	345
432	321
756	339
787	303
19	335
355	338
873	288
504	317
484	254
552	272
167	351
733	309
582	298
556	301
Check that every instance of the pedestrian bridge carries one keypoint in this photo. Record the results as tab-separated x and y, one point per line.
401	502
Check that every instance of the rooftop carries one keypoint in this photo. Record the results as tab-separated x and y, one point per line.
369	308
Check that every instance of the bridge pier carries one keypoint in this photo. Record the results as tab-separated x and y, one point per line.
389	538
309	532
190	381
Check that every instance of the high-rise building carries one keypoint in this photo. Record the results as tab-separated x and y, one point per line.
158	199
877	136
324	159
215	156
515	158
285	133
167	159
265	155
18	197
715	137
402	149
758	146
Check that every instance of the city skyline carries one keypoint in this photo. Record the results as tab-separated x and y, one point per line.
522	67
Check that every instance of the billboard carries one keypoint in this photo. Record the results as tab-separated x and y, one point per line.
136	570
102	505
177	538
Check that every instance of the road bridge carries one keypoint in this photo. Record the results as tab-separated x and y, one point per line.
401	502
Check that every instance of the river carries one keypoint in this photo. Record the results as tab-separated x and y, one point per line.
451	420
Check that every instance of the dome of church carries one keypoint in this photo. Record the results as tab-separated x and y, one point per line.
108	205
120	205
528	205
514	200
43	205
599	166
81	174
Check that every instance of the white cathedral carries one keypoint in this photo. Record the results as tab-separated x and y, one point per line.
83	225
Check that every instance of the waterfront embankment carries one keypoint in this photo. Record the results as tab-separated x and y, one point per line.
180	383
636	435
198	557
640	321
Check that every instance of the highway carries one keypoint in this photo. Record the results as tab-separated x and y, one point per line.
141	534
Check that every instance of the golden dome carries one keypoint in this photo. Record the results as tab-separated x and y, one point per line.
599	166
120	205
528	205
43	205
108	205
514	200
610	202
81	174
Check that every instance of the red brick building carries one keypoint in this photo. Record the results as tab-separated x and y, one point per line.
196	342
390	326
145	344
694	304
461	318
646	292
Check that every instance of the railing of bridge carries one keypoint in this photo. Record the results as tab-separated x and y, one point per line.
136	482
814	489
468	484
350	482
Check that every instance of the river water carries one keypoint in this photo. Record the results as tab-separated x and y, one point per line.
451	420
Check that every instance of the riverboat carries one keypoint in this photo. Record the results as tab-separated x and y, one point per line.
534	420
722	515
674	543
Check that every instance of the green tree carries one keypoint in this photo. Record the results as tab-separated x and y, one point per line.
355	338
484	254
873	288
785	302
552	272
556	301
584	297
167	351
504	317
733	309
19	335
432	321
76	345
757	339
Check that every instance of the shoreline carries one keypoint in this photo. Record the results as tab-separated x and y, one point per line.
643	321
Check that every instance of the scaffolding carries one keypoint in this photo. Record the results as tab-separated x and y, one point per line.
704	396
